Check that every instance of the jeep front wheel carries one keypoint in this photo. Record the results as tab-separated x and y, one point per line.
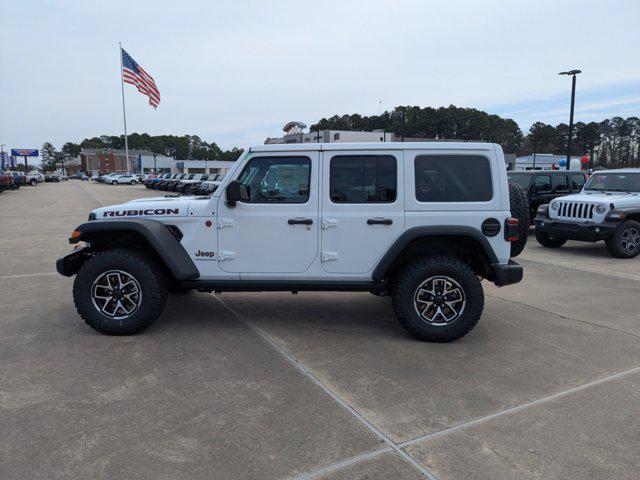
438	298
120	292
625	242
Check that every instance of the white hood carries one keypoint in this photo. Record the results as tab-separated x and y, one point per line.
146	208
619	199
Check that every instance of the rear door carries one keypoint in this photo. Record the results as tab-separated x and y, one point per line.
362	208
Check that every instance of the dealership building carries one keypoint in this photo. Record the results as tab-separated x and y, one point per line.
99	161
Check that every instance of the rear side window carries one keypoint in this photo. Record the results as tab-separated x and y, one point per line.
542	183
363	179
559	183
453	178
577	181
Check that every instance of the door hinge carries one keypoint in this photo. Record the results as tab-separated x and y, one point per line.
225	222
329	223
226	255
329	256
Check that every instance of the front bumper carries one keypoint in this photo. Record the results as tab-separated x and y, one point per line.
507	274
586	232
69	264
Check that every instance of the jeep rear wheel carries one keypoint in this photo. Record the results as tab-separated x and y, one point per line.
519	209
625	242
547	241
120	292
438	298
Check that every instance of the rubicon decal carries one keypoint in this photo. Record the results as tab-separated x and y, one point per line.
135	213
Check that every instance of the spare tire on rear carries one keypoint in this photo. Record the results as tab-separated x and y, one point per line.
519	209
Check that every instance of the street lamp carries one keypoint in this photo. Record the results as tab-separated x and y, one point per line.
155	170
573	74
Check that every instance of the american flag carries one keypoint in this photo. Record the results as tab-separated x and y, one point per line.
135	75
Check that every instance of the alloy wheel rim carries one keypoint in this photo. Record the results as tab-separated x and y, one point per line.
439	300
116	294
630	240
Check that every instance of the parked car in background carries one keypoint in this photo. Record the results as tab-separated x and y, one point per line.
124	179
161	185
542	186
19	178
150	183
77	176
33	178
182	185
607	208
6	182
209	186
52	177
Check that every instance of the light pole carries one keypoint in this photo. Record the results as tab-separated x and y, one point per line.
2	157
155	170
573	74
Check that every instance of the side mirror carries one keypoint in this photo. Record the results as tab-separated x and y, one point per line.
233	193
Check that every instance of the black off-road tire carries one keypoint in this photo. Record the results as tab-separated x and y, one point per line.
519	203
547	241
137	264
414	274
615	245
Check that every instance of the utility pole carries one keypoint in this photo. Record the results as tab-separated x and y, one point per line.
573	74
155	170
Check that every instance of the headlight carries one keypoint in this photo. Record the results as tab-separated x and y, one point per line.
554	206
600	209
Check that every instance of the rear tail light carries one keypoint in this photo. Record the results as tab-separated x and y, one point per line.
511	227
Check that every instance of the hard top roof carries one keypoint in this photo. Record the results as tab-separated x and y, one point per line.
310	147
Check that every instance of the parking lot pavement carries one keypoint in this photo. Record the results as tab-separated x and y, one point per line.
316	385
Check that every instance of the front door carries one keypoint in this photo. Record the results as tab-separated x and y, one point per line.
362	208
274	228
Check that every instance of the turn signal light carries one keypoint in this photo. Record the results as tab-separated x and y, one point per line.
75	236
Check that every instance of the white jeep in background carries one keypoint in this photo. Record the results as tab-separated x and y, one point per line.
607	208
420	222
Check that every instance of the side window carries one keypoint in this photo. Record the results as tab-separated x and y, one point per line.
276	180
542	184
577	181
453	178
363	179
559	183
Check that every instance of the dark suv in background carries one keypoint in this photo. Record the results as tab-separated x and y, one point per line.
542	186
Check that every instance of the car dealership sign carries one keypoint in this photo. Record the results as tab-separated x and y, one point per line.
24	152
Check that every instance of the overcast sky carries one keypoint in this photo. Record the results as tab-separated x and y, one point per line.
235	72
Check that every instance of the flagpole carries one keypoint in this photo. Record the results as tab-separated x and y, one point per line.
124	112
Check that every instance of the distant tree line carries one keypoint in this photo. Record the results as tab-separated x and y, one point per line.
611	143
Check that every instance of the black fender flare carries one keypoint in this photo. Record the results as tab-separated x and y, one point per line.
412	234
159	237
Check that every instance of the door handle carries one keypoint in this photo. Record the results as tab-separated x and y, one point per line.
300	221
379	221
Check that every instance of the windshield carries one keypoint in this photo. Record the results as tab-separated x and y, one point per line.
613	182
522	179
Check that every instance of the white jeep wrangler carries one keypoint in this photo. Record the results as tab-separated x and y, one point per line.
421	222
607	208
